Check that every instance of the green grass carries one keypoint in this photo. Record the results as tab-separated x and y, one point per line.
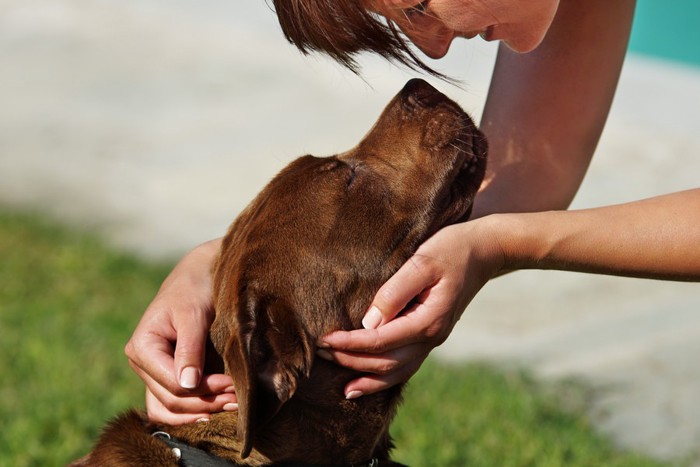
67	307
68	304
476	415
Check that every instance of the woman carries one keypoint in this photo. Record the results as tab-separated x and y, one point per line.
551	91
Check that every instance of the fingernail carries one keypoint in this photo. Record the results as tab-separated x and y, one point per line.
324	354
230	389
202	420
353	395
189	377
323	345
372	319
231	406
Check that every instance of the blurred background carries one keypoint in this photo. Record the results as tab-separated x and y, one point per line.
153	123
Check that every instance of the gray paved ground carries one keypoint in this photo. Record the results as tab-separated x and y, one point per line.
154	122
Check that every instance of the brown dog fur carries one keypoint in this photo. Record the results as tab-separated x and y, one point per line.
304	259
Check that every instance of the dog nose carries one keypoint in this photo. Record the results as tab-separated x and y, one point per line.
418	93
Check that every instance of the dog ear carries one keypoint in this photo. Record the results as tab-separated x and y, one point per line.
266	354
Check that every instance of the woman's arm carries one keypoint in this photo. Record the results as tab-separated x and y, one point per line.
546	109
656	238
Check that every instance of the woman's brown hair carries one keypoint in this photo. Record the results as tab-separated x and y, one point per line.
343	29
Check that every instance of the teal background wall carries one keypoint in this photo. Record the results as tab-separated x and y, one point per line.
668	29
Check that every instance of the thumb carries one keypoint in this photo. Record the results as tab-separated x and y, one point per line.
189	352
408	282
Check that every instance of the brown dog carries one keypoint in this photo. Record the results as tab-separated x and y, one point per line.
304	259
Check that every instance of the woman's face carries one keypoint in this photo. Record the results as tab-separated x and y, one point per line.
432	24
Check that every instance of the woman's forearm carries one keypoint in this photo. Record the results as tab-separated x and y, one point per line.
546	109
654	238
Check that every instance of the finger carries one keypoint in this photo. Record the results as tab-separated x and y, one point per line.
217	383
381	364
210	385
193	329
409	328
164	404
151	356
371	384
213	385
158	413
410	280
196	405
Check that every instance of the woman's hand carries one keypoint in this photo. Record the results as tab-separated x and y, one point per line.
417	308
167	347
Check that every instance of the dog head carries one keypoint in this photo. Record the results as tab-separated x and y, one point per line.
307	255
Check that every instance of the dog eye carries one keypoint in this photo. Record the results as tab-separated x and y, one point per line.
353	171
352	175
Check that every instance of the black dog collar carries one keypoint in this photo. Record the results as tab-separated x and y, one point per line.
189	456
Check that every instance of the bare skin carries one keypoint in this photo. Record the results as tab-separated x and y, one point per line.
167	347
544	115
433	25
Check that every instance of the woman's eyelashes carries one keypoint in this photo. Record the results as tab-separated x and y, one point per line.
419	9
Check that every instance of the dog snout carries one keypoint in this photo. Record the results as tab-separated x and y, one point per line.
419	94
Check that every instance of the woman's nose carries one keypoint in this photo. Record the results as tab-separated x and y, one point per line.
436	45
